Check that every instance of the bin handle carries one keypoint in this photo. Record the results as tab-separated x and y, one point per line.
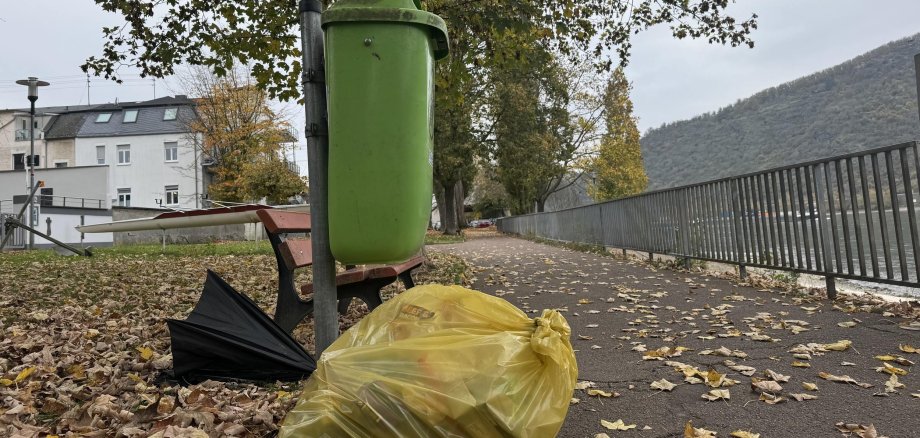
399	15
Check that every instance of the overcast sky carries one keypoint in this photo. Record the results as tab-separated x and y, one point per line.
672	79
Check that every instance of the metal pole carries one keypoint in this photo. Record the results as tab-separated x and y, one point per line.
325	314
31	200
917	72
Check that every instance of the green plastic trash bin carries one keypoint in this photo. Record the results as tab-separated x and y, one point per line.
379	71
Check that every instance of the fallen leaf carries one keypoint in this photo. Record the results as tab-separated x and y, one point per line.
842	379
892	385
803	397
146	353
896	359
847	324
601	393
765	385
24	374
771	399
585	384
799	364
890	369
617	425
717	394
744	434
663	385
809	386
860	430
773	375
838	346
724	352
743	369
697	432
907	348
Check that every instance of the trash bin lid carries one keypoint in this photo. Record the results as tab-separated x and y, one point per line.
402	11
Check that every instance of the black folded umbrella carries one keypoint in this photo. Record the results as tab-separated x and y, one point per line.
227	336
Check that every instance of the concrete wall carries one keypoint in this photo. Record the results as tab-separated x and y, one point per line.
78	182
148	173
64	221
181	235
60	151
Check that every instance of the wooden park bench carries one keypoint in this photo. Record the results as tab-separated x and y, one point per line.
363	283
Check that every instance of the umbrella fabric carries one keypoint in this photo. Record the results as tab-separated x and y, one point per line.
227	336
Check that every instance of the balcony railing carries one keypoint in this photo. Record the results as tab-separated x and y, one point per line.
23	135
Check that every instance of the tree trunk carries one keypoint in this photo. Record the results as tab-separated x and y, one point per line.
449	220
541	205
459	197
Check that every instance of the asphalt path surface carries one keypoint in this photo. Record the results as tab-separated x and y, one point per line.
614	306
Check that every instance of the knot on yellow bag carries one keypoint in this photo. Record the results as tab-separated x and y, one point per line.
552	329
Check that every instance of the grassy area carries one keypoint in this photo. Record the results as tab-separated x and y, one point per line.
439	238
193	250
86	343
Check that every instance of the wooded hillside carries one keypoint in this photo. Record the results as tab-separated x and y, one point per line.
866	102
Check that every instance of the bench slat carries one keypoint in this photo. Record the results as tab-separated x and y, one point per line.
395	270
297	253
342	279
280	221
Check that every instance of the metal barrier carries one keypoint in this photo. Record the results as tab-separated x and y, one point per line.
18	238
70	202
853	216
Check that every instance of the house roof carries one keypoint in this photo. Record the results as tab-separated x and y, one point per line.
149	119
52	109
64	125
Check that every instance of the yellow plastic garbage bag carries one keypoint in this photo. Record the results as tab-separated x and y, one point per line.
441	361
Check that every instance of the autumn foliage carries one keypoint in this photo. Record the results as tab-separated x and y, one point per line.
244	138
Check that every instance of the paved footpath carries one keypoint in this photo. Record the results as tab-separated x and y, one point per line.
617	308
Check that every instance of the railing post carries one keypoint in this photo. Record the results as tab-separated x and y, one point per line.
740	253
684	227
823	231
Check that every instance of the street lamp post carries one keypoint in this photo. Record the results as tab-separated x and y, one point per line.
33	83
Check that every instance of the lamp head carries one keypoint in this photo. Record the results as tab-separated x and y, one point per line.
33	83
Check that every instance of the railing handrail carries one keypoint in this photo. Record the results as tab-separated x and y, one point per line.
745	175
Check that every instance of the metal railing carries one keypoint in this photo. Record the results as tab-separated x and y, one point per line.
70	202
853	216
18	238
25	135
7	206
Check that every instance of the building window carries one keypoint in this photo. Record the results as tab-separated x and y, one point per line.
60	164
172	195
100	154
124	197
170	113
124	154
25	124
19	162
172	151
103	118
130	116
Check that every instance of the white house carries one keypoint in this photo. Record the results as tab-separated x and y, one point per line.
149	149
